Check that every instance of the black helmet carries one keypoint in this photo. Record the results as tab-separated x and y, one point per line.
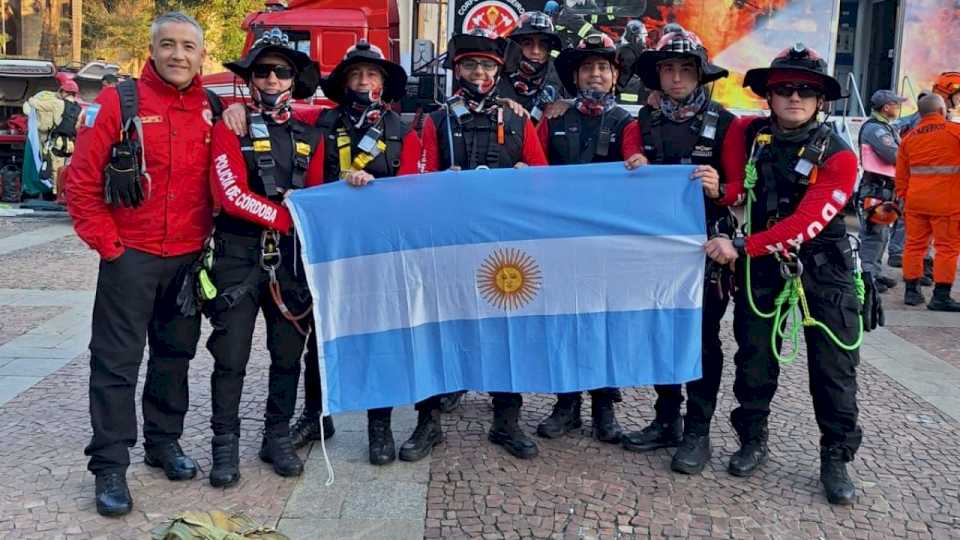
678	43
537	23
797	61
483	43
274	41
569	60
394	76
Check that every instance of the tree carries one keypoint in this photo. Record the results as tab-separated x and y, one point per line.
50	10
118	30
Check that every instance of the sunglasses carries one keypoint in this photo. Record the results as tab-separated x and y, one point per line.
802	90
263	71
487	65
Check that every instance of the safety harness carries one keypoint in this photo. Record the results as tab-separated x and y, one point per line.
604	147
706	125
791	310
256	148
466	131
383	140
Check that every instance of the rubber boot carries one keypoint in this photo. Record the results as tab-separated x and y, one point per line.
912	295
887	282
694	452
895	261
506	432
427	434
226	460
836	482
659	434
382	448
752	454
307	428
605	426
941	300
278	450
564	418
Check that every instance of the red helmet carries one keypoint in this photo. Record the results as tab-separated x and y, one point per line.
67	84
947	84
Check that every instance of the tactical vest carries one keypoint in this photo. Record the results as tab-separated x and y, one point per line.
567	138
343	140
780	187
475	140
696	142
277	159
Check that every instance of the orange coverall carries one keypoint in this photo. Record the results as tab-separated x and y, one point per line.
928	179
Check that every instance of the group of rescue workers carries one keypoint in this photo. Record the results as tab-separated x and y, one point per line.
177	202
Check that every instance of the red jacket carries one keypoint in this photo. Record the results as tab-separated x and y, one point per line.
176	217
531	153
230	184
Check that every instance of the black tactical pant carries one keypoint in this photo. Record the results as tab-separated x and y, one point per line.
702	393
136	303
243	287
828	283
313	393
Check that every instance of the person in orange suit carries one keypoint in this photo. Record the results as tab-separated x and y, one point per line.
928	179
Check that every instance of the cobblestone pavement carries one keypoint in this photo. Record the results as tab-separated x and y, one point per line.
908	471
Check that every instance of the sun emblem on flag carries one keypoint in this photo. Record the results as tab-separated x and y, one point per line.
509	278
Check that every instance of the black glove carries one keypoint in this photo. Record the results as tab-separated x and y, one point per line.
872	304
122	185
187	297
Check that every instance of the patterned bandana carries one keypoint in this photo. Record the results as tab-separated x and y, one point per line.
682	111
594	102
528	79
273	106
479	100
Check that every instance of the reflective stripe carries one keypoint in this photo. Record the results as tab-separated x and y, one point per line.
935	169
629	98
555	53
594	18
584	30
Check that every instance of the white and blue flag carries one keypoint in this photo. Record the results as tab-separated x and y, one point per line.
541	279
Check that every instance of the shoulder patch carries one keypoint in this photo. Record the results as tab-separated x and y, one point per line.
90	116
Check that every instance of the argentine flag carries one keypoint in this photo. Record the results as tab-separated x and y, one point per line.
541	279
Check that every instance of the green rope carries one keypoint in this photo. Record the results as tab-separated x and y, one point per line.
790	309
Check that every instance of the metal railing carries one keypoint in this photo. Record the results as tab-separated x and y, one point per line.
852	83
906	82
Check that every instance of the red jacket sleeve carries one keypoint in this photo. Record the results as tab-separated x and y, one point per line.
231	189
307	115
631	142
431	158
92	218
532	150
410	155
823	201
543	135
733	159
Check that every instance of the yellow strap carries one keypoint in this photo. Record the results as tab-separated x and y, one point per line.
303	148
261	145
584	30
343	146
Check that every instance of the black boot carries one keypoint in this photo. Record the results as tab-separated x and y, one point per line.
887	282
605	426
113	495
565	417
278	450
694	453
425	436
833	475
912	295
382	448
506	432
751	455
659	434
307	428
170	457
226	460
895	261
450	402
941	300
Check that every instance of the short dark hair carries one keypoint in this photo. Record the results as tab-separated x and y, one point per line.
109	78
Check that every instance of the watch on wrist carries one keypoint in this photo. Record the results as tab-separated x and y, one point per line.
740	243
